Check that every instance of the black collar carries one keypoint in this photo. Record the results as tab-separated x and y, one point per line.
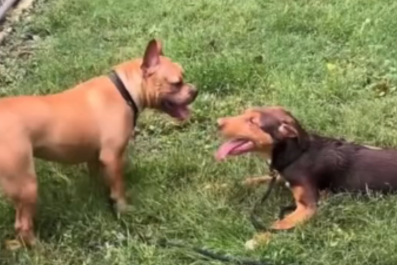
125	94
285	153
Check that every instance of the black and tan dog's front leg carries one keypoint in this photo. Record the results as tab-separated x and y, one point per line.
256	181
306	197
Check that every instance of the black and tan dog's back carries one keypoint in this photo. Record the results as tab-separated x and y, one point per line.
339	165
358	168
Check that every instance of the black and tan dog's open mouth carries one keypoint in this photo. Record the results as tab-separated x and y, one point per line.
234	147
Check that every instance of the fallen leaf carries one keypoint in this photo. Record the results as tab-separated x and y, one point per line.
331	67
258	240
13	245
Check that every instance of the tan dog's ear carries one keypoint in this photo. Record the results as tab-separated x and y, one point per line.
159	47
151	59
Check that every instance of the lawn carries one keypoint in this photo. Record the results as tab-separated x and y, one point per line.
332	63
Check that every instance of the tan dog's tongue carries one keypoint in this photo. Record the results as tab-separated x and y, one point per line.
183	112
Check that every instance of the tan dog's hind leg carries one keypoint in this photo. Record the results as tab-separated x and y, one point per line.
19	183
306	202
25	210
112	162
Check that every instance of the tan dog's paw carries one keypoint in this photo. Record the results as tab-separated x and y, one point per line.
27	238
122	207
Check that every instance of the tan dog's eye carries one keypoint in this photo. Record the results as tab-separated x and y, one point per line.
177	84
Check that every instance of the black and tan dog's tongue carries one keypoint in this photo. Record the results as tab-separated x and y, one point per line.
233	147
224	150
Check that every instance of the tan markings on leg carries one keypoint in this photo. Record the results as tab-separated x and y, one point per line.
373	147
306	201
256	181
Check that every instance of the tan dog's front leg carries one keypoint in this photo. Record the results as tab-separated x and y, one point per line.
112	163
306	198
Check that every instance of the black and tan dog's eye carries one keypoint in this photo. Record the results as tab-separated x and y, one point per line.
252	121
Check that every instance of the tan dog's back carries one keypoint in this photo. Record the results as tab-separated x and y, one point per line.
63	127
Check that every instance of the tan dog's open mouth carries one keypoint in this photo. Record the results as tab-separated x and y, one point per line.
234	147
178	111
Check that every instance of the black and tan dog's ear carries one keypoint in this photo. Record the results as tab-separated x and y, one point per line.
288	131
151	58
294	131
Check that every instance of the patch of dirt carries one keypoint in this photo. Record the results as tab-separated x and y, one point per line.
13	46
1	24
13	15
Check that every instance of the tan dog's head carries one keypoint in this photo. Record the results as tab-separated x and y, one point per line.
163	83
258	130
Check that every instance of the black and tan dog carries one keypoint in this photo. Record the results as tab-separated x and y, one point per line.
308	162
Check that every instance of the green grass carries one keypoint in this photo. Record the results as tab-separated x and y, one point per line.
239	54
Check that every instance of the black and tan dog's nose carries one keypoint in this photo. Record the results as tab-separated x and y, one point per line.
193	92
221	123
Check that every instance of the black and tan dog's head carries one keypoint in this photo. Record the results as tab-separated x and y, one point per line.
164	83
258	130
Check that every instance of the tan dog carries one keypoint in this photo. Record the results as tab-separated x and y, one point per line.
90	123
